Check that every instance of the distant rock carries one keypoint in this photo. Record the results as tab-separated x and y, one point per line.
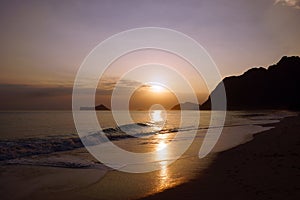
186	106
99	107
274	88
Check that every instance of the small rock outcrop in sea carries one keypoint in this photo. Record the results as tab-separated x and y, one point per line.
99	107
259	88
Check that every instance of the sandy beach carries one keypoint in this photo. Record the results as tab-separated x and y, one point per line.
124	99
268	167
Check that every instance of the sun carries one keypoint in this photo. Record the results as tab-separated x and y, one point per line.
157	88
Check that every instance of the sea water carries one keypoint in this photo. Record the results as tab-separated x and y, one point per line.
49	139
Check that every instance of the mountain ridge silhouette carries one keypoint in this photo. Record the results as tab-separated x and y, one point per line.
276	87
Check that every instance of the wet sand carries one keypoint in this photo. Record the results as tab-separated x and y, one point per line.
268	167
265	168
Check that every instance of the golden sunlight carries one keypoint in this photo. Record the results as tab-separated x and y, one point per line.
149	94
157	88
156	116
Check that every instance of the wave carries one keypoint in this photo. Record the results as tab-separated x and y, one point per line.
61	161
11	149
18	148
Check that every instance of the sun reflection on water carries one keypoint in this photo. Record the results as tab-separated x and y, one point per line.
157	116
163	153
163	157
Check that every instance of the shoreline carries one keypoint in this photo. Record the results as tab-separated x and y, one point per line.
267	167
55	182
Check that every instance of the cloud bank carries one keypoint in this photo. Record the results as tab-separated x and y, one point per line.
32	97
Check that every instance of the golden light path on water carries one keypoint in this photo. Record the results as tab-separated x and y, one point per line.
168	175
164	171
184	169
159	117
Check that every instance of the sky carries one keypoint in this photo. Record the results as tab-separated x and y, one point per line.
43	43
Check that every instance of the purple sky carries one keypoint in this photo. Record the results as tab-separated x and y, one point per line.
44	42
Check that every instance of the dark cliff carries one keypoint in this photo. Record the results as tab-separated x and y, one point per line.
274	88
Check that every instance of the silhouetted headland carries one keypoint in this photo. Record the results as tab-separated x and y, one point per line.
259	88
99	107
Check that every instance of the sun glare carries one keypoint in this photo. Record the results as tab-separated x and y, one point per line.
157	88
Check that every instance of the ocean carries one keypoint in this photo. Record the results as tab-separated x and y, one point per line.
47	140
